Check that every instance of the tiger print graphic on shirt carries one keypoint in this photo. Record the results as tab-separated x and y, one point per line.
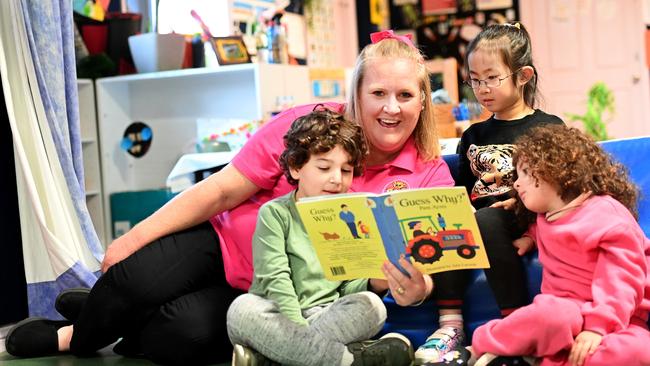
492	165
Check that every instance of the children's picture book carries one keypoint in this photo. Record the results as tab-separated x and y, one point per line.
354	233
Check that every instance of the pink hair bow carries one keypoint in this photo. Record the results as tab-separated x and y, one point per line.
389	34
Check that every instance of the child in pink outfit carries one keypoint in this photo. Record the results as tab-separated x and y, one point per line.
595	295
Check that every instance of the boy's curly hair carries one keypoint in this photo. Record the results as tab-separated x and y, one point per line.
573	163
319	132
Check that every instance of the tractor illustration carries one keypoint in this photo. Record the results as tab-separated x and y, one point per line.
427	246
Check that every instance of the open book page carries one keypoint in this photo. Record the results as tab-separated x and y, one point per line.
354	234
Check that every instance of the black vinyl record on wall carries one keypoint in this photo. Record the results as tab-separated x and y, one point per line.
137	139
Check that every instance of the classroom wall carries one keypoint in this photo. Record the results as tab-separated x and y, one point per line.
579	43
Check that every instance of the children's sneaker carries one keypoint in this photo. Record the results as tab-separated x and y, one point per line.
458	357
245	356
489	359
441	342
393	349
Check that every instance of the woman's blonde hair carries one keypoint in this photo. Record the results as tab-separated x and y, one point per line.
426	134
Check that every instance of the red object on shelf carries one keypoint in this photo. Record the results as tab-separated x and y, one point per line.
187	55
95	37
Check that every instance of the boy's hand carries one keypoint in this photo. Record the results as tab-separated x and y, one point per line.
524	244
508	204
585	344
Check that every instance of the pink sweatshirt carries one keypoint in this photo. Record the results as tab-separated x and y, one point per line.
598	255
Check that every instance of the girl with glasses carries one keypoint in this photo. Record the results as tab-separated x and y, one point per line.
504	80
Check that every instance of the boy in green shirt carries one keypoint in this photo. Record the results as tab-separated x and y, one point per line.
292	314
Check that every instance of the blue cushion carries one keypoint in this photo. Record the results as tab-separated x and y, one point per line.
452	162
634	154
417	323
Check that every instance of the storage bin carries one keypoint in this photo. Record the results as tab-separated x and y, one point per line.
129	208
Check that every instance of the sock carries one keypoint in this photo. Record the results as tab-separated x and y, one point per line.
347	358
451	321
64	334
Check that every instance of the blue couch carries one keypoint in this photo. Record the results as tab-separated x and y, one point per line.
418	322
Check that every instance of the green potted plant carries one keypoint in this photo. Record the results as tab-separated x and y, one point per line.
600	100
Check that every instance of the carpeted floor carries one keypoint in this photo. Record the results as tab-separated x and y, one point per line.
104	357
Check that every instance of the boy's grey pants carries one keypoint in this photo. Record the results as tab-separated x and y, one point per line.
257	323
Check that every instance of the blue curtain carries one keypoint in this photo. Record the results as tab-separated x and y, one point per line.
50	34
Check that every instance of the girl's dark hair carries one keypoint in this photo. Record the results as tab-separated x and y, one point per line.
511	42
319	132
573	163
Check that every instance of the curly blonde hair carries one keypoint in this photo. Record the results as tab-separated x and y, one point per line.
573	163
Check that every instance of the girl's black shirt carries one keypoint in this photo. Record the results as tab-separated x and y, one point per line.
486	172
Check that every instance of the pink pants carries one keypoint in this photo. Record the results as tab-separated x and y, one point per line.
546	329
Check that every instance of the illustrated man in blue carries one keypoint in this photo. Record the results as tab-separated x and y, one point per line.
348	218
441	221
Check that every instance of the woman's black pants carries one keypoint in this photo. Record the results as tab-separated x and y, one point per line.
169	298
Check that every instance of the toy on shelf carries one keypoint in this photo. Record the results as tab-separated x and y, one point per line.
230	139
467	113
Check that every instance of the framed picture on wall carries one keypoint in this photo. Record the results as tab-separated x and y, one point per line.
493	4
433	7
230	50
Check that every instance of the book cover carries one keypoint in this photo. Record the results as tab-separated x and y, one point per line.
353	234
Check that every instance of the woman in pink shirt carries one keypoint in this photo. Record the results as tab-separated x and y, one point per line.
595	293
168	282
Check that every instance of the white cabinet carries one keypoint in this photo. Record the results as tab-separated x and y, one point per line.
170	103
90	150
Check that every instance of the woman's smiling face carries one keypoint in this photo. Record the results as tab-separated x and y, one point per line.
390	101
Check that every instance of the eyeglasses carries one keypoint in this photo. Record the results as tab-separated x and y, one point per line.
490	82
